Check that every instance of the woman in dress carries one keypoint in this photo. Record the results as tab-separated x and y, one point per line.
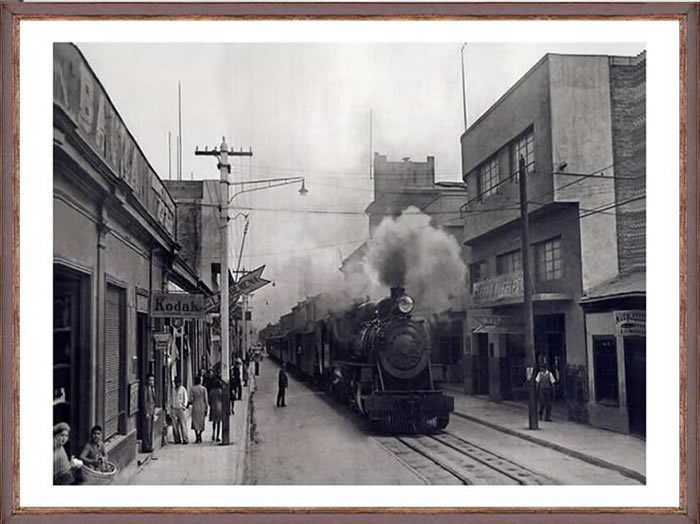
94	454
216	408
200	406
62	467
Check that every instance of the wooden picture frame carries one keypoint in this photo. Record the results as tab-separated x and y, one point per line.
11	13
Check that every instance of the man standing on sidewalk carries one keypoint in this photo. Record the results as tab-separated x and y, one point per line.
545	382
282	383
179	405
149	408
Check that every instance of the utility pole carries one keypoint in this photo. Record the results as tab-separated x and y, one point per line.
244	349
530	360
222	155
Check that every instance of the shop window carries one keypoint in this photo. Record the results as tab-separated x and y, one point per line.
548	259
509	262
488	178
605	370
524	146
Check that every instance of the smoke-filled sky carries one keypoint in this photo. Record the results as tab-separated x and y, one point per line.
304	110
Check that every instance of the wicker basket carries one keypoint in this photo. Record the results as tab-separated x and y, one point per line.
94	477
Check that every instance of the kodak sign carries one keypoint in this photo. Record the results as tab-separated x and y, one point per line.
176	305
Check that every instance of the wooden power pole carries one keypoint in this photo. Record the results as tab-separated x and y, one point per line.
222	155
530	359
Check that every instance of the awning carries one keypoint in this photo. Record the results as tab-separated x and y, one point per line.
623	285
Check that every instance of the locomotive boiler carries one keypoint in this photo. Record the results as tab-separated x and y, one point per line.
382	366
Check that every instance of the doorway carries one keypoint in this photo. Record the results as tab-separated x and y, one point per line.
636	386
143	365
550	347
482	382
70	354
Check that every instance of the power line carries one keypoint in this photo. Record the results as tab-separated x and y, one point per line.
601	209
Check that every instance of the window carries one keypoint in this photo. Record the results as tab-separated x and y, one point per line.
548	256
605	370
488	178
509	262
477	272
525	147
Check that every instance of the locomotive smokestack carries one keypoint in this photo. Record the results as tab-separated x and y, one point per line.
397	292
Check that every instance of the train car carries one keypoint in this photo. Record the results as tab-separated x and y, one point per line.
380	362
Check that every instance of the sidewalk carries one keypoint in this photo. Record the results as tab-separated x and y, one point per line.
624	453
196	464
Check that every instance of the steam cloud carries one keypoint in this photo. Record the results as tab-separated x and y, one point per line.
409	252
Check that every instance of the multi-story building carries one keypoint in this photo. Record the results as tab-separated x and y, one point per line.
578	123
198	233
115	246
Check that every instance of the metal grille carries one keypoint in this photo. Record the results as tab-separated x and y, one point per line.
113	345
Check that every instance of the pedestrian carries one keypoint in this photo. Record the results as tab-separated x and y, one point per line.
257	364
179	408
282	383
244	369
200	407
237	378
62	467
149	412
545	383
216	408
234	387
94	454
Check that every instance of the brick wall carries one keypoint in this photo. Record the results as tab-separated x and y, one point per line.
628	100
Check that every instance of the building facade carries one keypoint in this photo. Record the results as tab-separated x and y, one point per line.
114	247
575	120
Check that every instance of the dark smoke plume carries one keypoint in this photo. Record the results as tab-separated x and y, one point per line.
409	252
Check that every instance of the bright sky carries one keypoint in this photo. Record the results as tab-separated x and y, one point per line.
304	110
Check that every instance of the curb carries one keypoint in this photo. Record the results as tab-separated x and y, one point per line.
627	472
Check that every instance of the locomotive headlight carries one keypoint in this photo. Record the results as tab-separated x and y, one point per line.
405	304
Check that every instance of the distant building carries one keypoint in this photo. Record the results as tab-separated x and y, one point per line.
578	122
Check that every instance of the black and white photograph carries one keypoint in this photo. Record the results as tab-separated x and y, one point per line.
373	261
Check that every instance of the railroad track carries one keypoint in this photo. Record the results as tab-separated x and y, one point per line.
445	458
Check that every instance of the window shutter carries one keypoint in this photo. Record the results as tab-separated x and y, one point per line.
113	343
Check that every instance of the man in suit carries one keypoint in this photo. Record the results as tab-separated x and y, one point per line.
282	383
149	409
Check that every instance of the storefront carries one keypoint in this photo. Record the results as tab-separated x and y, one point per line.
616	341
114	246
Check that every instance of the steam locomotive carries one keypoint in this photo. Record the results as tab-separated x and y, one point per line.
375	357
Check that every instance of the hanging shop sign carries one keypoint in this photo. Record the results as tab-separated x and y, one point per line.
631	322
177	305
161	340
248	283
